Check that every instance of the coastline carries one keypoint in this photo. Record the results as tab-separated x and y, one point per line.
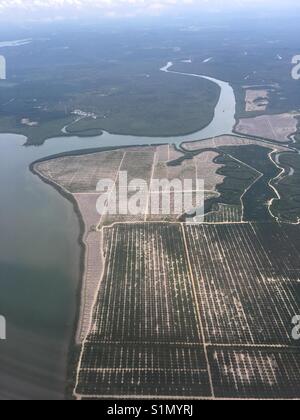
74	346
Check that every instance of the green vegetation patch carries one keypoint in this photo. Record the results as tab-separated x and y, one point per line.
288	207
256	198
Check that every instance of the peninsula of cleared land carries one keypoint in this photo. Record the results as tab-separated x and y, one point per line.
200	310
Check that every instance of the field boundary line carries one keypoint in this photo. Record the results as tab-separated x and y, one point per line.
150	184
145	343
272	128
198	310
261	346
175	398
260	175
142	370
111	191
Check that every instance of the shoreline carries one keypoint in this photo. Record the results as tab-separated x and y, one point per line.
73	346
175	137
102	132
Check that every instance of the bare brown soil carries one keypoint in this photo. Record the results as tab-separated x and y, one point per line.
274	127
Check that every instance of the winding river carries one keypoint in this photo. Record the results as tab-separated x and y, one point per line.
39	255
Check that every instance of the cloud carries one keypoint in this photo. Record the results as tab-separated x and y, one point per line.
114	8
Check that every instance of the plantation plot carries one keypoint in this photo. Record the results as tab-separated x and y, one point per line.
78	174
283	248
145	338
222	213
168	153
245	297
259	373
146	281
199	311
143	370
138	163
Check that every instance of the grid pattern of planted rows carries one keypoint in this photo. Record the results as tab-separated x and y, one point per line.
145	338
148	338
243	299
282	246
259	373
82	173
146	294
139	369
225	214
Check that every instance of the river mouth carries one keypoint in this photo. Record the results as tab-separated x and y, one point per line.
40	256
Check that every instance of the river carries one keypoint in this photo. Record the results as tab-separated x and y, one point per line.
39	256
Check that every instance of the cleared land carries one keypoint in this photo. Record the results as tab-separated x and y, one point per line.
93	259
256	100
78	176
81	174
276	127
222	141
194	311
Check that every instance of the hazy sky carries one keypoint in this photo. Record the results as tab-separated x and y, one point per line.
61	9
